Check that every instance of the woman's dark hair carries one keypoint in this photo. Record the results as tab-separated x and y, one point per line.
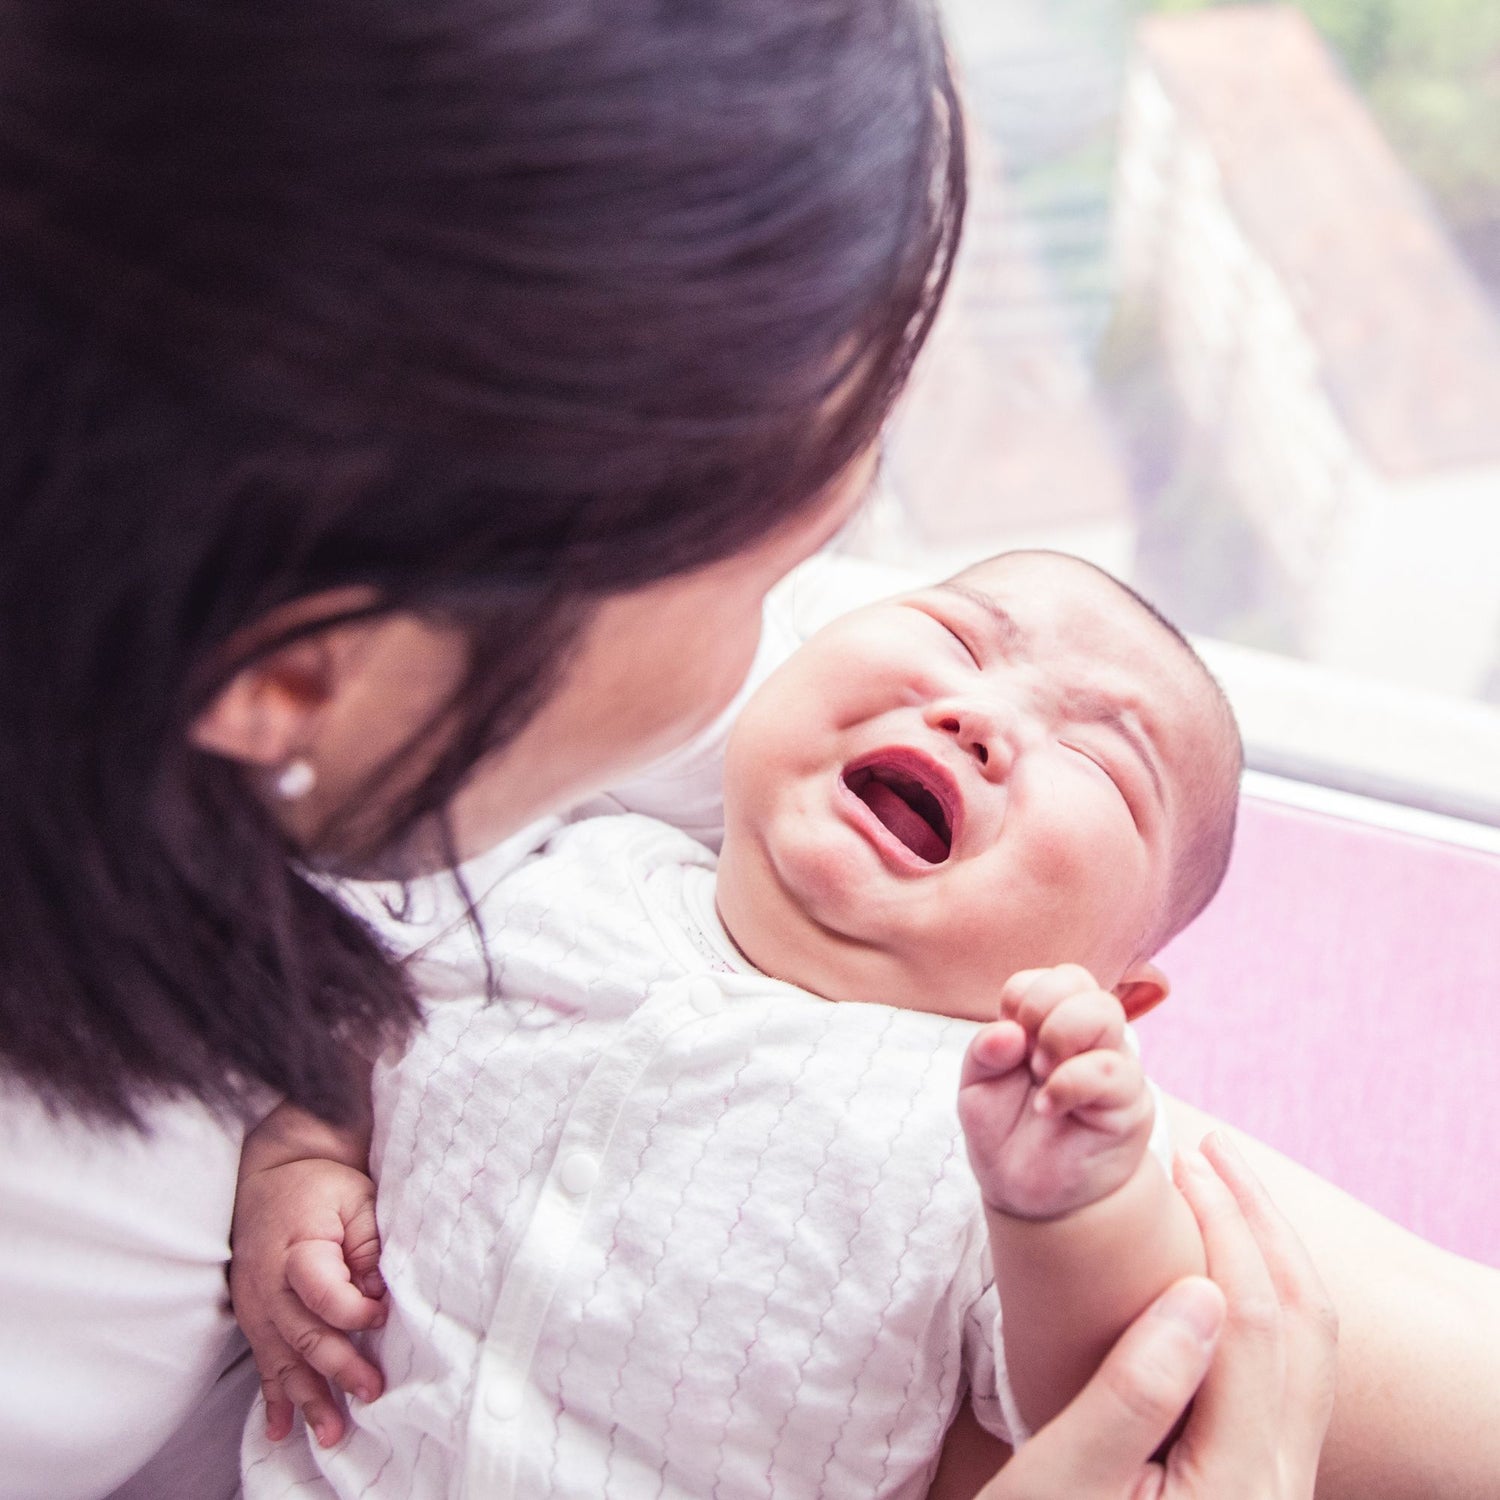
490	307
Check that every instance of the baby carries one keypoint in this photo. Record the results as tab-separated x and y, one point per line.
661	1219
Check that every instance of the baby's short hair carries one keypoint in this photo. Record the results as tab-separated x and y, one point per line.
1203	857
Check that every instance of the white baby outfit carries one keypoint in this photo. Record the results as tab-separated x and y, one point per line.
654	1224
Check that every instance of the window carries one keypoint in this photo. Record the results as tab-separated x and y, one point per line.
1226	322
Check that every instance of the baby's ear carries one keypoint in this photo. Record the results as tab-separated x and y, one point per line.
1143	988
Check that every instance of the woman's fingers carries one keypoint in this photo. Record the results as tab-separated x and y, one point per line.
1310	1320
1099	1446
1265	1405
1290	1267
1244	1385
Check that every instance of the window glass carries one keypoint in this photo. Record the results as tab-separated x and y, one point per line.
1226	322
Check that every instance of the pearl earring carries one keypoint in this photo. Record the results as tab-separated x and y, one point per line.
296	780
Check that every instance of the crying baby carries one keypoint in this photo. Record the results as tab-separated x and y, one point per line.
847	1124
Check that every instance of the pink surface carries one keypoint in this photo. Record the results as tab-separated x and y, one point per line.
1341	1000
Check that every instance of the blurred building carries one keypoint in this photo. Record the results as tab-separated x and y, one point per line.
1335	358
1003	440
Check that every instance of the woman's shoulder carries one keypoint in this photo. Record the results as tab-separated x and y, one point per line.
111	1286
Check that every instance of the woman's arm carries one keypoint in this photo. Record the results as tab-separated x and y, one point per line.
1417	1414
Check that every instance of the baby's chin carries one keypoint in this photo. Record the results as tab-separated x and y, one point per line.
775	933
872	977
945	976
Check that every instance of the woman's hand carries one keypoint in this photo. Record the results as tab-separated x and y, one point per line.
1258	1422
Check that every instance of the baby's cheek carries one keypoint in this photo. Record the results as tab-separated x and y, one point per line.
978	935
828	879
1089	895
1061	866
1055	907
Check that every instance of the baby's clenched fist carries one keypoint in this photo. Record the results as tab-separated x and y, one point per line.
1053	1102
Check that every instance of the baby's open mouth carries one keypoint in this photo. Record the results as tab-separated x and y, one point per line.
903	801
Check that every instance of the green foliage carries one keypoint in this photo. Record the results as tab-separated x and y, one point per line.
1430	71
1375	37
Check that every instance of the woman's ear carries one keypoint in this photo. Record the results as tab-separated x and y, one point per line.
1143	988
263	716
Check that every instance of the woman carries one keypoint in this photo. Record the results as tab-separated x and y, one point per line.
406	408
390	391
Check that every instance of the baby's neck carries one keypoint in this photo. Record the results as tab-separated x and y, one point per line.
801	953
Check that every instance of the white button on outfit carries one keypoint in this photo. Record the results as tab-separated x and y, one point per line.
502	1401
703	992
579	1172
704	1234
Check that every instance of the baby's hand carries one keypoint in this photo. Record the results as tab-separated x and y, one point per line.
304	1272
1053	1103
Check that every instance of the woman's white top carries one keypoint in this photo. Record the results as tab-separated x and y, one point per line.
114	1315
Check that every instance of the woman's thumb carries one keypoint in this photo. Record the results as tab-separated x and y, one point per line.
1097	1447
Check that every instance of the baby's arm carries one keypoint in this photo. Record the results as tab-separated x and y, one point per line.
304	1269
1085	1227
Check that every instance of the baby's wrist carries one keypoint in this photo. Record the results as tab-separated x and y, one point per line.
289	1136
1074	1205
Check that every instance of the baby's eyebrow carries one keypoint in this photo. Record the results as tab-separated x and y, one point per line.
1011	634
1092	707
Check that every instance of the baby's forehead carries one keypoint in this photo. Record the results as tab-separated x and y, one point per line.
1037	575
1048	593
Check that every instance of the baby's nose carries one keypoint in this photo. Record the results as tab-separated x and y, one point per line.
978	732
972	741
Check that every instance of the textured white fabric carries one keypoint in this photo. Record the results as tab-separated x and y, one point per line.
654	1224
113	1246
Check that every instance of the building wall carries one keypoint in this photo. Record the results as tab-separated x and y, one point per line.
1399	579
1411	587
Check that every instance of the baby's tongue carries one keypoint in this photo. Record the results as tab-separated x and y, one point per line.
904	821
